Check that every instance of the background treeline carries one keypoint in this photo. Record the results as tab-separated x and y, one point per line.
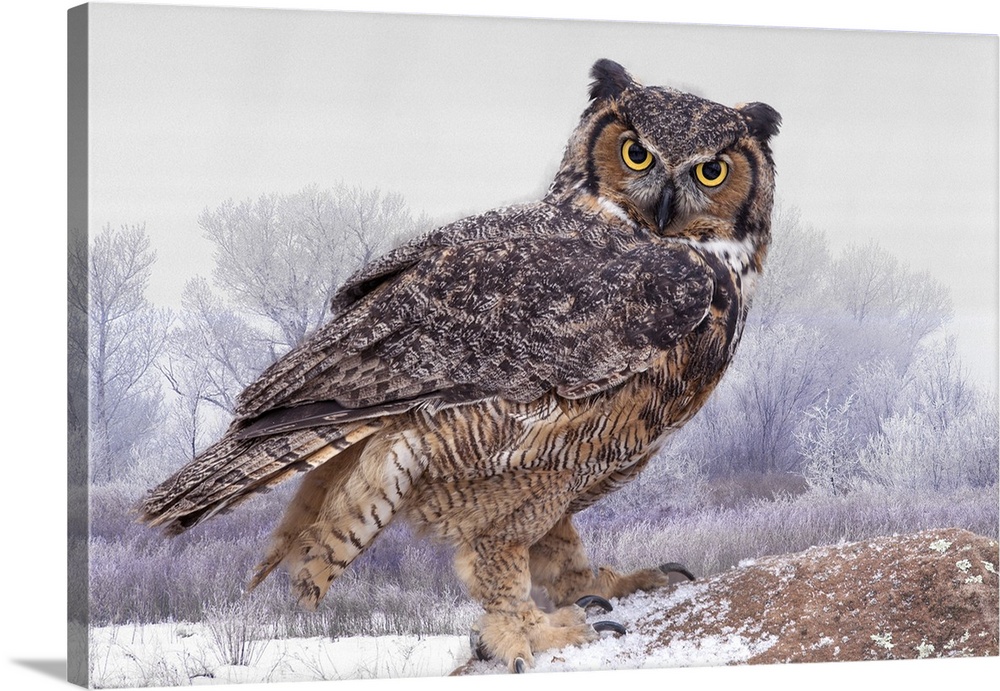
846	414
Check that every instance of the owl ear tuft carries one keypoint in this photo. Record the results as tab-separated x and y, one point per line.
610	79
762	120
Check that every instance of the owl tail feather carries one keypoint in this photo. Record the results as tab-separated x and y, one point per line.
233	469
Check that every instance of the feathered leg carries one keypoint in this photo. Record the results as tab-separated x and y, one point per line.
513	627
304	509
560	565
343	510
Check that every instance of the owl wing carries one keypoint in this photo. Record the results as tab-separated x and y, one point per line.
510	317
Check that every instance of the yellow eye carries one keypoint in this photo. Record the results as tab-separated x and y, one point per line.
635	155
711	173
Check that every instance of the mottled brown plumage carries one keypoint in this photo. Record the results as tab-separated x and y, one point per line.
499	374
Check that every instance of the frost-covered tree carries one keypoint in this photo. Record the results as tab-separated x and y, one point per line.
877	387
889	308
942	433
980	439
826	444
280	258
126	336
793	286
212	354
213	349
78	368
778	374
780	367
941	390
905	456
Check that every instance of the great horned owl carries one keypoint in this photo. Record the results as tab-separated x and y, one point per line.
496	376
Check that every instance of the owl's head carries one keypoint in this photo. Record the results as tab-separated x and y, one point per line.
672	163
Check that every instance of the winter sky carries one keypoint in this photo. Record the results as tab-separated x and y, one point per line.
891	136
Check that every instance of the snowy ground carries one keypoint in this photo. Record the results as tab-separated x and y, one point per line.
928	594
188	654
185	654
642	614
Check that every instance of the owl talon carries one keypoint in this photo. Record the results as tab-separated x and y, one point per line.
612	626
478	648
674	567
519	665
595	600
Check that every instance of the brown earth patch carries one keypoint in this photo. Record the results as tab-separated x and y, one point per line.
934	593
930	594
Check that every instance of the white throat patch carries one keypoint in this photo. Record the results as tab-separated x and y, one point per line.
737	254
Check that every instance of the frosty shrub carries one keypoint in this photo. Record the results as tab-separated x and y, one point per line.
712	540
828	448
911	454
402	585
738	489
240	632
942	433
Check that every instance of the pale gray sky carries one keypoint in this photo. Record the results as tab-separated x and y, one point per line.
891	136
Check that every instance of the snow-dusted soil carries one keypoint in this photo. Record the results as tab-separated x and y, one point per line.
642	616
931	594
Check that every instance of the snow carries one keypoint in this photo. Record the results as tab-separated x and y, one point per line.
185	654
643	616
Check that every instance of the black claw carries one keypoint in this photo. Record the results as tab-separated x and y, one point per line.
519	665
674	567
588	600
612	626
476	643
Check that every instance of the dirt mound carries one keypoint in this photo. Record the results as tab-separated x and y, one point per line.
932	594
929	594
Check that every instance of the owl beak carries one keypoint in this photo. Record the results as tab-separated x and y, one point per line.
665	208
